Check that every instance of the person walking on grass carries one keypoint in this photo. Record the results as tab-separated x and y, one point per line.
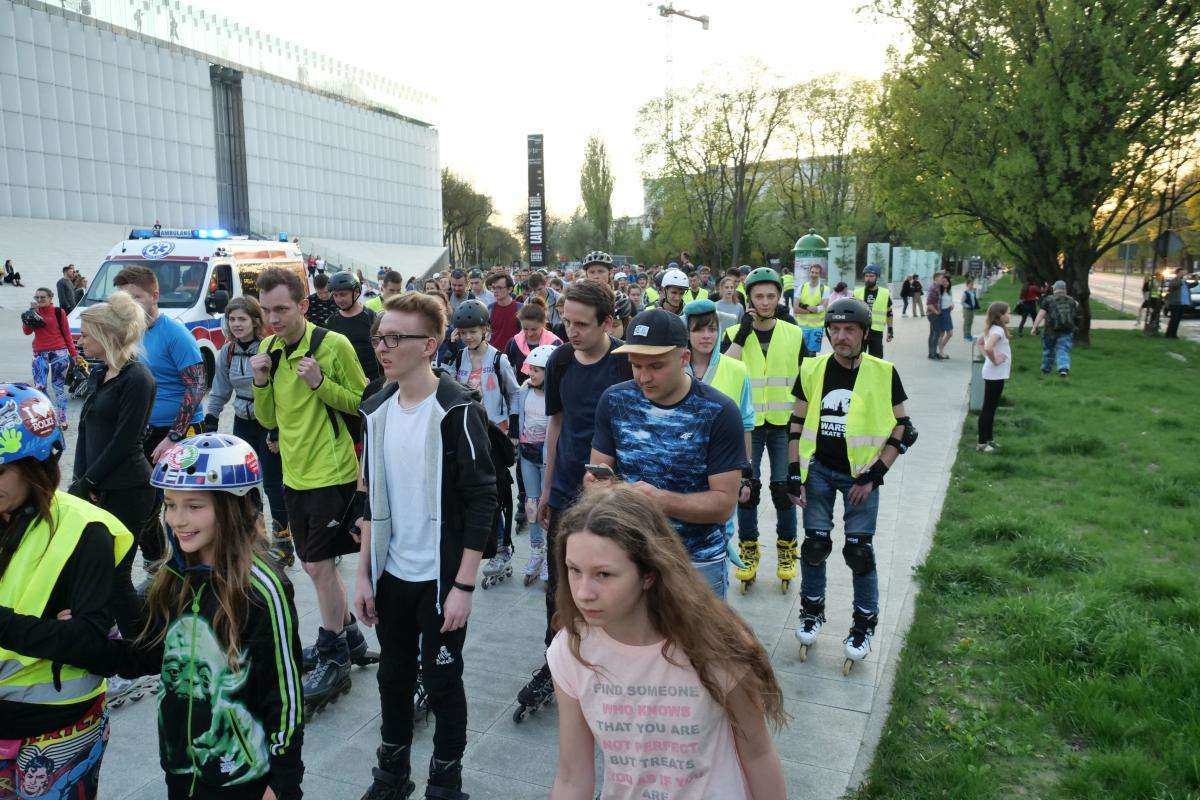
997	367
1060	313
634	623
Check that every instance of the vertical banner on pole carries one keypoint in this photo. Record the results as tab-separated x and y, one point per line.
879	254
536	226
843	266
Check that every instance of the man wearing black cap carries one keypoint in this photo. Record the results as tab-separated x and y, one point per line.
677	440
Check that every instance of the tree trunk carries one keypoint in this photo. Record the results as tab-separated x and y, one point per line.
1078	259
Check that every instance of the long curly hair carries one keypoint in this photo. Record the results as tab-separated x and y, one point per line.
680	603
239	538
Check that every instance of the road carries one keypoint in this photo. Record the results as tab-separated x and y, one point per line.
1106	288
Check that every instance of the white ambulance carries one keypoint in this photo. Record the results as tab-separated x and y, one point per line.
199	271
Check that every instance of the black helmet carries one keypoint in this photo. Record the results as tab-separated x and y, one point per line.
471	314
621	308
343	281
849	309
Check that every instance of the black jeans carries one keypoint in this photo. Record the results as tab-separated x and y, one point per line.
136	508
410	628
992	389
875	343
935	333
1175	314
255	435
551	572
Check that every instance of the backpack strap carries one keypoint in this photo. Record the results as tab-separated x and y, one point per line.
60	315
276	355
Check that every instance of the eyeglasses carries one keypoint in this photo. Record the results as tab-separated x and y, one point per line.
392	340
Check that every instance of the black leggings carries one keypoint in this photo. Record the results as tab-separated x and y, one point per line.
409	629
992	389
135	507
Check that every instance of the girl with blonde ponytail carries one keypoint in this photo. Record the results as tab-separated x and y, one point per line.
110	468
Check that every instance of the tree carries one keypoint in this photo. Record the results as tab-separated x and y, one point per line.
1059	127
710	145
596	187
464	214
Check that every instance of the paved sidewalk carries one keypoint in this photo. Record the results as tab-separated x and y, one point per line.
836	720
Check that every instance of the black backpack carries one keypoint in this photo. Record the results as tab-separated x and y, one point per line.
353	422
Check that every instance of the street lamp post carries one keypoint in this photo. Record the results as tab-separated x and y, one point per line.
669	10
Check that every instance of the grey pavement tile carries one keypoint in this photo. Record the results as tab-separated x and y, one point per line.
812	782
516	759
822	735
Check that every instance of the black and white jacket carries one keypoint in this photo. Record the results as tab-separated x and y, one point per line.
461	483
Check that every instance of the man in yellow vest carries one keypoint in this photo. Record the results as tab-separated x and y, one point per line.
772	350
694	290
847	428
879	300
810	308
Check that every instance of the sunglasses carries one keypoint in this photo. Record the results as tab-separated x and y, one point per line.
392	340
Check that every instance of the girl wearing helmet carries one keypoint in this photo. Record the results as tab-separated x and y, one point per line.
532	425
57	552
221	628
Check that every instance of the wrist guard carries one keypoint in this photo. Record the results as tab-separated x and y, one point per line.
873	476
795	483
743	331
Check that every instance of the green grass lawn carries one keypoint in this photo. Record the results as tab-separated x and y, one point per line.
1009	292
1055	650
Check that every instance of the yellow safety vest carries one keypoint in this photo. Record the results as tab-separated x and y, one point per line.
699	294
869	419
878	308
771	378
651	296
729	378
26	586
810	296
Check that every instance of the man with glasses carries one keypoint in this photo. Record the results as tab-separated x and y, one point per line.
421	548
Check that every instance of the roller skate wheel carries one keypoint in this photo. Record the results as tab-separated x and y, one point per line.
519	714
746	586
804	652
784	586
846	665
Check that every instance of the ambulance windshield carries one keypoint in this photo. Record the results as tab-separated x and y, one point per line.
179	282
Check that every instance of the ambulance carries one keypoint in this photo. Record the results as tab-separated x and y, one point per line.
199	271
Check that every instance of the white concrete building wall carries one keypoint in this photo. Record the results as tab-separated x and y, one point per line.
100	127
319	167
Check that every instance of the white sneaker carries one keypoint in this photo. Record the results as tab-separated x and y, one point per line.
985	448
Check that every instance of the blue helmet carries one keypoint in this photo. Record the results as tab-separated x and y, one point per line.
28	424
872	269
210	462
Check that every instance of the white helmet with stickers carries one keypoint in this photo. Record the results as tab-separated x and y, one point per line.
210	462
540	356
675	277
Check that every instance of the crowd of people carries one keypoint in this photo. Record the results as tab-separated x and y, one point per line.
620	414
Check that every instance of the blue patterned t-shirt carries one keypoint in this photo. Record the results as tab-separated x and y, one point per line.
675	449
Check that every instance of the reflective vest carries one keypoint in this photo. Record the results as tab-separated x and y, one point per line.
869	419
26	586
651	295
772	378
728	378
699	294
878	308
811	296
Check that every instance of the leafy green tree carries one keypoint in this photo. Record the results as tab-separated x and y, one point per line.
464	213
1056	126
596	187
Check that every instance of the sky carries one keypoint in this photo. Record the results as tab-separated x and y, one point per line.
566	69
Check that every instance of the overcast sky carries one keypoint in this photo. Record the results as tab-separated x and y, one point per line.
564	68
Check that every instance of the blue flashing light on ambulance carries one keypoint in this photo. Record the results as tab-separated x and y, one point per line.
199	271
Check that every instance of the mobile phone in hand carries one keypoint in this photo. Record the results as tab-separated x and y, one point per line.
600	472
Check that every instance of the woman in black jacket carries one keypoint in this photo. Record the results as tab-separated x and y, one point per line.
110	468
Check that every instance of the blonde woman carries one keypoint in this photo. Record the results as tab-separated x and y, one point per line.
997	367
110	468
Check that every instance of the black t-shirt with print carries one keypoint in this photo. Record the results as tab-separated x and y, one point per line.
835	402
358	330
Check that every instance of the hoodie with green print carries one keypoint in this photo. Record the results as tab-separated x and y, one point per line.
234	731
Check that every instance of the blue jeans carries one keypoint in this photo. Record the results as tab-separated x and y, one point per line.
775	442
1058	344
935	332
255	435
813	338
858	522
716	573
532	474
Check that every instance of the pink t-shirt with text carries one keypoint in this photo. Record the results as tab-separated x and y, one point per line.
662	735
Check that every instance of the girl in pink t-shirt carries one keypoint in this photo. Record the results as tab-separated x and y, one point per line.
652	666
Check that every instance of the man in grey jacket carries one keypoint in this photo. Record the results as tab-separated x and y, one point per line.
67	293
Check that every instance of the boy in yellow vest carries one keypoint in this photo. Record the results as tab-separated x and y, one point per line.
810	299
848	427
771	349
879	300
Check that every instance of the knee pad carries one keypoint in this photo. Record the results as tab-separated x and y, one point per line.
779	496
860	556
816	547
755	495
